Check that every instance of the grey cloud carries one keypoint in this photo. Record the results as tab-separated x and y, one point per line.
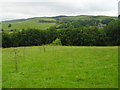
33	9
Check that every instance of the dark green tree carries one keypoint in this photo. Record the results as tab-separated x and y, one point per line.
113	33
10	25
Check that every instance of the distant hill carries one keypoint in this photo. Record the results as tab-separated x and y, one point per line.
28	23
46	22
15	20
60	16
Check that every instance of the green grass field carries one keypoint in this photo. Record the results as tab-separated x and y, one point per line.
61	67
30	23
0	68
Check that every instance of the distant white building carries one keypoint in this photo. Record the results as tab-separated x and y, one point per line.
101	25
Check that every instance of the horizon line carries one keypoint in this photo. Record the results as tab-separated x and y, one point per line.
53	16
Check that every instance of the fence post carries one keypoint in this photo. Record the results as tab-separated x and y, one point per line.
44	48
15	59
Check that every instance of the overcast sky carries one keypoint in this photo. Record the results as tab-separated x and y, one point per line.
16	9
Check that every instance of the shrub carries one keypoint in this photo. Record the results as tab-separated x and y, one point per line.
57	42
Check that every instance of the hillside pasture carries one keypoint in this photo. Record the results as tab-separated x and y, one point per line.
30	23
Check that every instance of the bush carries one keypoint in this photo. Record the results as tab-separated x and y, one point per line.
57	42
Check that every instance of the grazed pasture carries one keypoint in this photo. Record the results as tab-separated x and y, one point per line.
60	67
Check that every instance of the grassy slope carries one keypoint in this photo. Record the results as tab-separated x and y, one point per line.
61	67
30	23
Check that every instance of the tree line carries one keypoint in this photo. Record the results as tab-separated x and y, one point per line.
74	36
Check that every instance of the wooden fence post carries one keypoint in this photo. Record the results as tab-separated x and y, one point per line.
15	59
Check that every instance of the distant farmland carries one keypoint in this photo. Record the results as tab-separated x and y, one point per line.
30	23
47	22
